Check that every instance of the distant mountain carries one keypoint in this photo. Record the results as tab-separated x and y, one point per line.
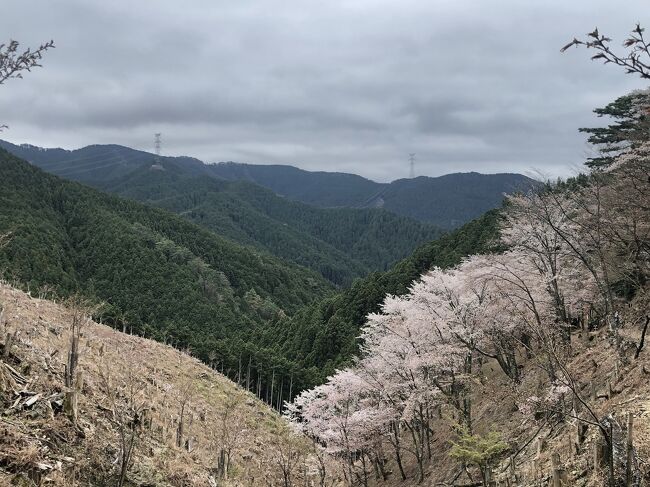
164	276
452	200
446	202
325	189
94	163
341	244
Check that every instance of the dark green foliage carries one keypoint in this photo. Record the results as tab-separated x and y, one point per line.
159	274
630	127
167	278
452	200
325	189
95	163
323	336
446	202
340	244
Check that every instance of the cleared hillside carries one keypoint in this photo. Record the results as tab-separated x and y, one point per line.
126	386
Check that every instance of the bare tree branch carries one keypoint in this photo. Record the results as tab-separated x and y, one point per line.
13	62
635	61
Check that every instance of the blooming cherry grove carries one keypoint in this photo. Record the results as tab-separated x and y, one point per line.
577	256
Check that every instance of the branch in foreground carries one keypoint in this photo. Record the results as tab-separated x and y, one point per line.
635	61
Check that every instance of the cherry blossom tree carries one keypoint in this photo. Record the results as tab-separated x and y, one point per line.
574	250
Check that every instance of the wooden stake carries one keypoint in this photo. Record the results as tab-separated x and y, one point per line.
556	480
630	451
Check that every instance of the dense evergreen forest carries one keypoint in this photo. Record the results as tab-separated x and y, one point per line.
324	335
446	201
159	275
261	320
339	243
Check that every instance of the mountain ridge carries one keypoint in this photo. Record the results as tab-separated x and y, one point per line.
159	274
446	201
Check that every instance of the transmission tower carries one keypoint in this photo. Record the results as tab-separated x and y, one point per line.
157	143
412	165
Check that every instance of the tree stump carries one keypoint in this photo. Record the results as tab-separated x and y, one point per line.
70	405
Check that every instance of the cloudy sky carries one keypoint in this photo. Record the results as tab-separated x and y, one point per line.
336	85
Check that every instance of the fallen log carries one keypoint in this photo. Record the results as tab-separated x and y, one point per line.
15	375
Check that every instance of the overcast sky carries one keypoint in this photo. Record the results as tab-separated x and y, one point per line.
333	85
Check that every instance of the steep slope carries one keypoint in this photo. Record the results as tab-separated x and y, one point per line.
446	201
324	336
94	163
158	273
341	244
523	367
127	386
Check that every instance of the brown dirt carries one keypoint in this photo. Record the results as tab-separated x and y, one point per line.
39	445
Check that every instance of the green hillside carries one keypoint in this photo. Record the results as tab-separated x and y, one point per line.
341	244
318	188
232	304
446	201
323	336
163	276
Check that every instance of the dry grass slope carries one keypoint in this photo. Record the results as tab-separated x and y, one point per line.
618	390
126	385
122	374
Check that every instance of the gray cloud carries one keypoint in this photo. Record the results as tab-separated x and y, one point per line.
345	85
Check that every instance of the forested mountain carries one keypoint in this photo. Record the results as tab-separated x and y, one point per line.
93	164
446	202
340	243
320	188
158	274
324	335
169	279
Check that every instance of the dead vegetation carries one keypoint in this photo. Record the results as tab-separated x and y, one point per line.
83	404
148	415
563	448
